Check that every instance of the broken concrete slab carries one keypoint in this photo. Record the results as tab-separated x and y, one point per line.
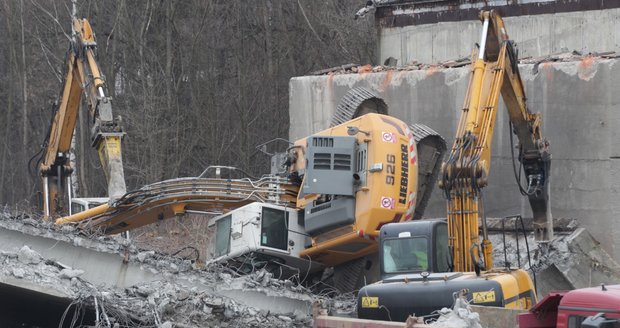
551	279
491	317
581	261
572	260
145	286
28	256
560	224
74	251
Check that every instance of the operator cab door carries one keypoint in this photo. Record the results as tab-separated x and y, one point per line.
274	228
268	230
441	252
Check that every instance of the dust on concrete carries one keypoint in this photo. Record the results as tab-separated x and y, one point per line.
187	294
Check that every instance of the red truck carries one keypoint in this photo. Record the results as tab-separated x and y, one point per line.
580	308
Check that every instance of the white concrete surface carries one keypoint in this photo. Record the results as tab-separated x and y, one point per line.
536	35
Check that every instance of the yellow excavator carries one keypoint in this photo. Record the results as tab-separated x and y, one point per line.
334	191
426	263
466	171
82	79
336	187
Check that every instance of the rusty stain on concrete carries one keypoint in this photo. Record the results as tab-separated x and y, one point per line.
387	80
587	68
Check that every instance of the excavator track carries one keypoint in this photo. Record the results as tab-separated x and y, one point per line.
347	275
357	102
431	149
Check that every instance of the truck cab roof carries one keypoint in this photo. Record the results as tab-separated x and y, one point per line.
605	297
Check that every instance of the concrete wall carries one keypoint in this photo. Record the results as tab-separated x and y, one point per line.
536	35
580	103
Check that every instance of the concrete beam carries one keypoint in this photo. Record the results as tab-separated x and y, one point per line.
111	271
536	35
100	268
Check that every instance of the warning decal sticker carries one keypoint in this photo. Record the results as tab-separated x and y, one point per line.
387	202
370	302
388	137
484	297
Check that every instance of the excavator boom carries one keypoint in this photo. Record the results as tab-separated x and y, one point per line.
465	173
534	154
426	263
82	77
175	197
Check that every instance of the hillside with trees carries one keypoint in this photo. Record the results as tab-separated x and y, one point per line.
196	82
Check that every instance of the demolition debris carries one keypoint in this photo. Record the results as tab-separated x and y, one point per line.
175	293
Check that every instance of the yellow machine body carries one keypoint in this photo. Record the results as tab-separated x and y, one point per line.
389	164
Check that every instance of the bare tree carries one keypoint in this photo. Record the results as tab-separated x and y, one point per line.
197	82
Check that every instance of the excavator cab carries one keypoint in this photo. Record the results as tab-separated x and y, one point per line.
261	235
414	247
417	276
405	288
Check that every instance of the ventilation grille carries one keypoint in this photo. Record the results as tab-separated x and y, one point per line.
322	161
340	162
330	165
323	142
320	207
360	164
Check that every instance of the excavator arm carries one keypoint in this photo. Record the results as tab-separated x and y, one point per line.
534	154
465	173
82	77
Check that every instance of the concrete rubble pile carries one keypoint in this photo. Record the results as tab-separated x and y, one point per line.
573	259
460	316
175	293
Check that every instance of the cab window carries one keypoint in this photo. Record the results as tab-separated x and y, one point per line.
405	254
274	230
93	204
77	208
577	321
222	236
442	254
